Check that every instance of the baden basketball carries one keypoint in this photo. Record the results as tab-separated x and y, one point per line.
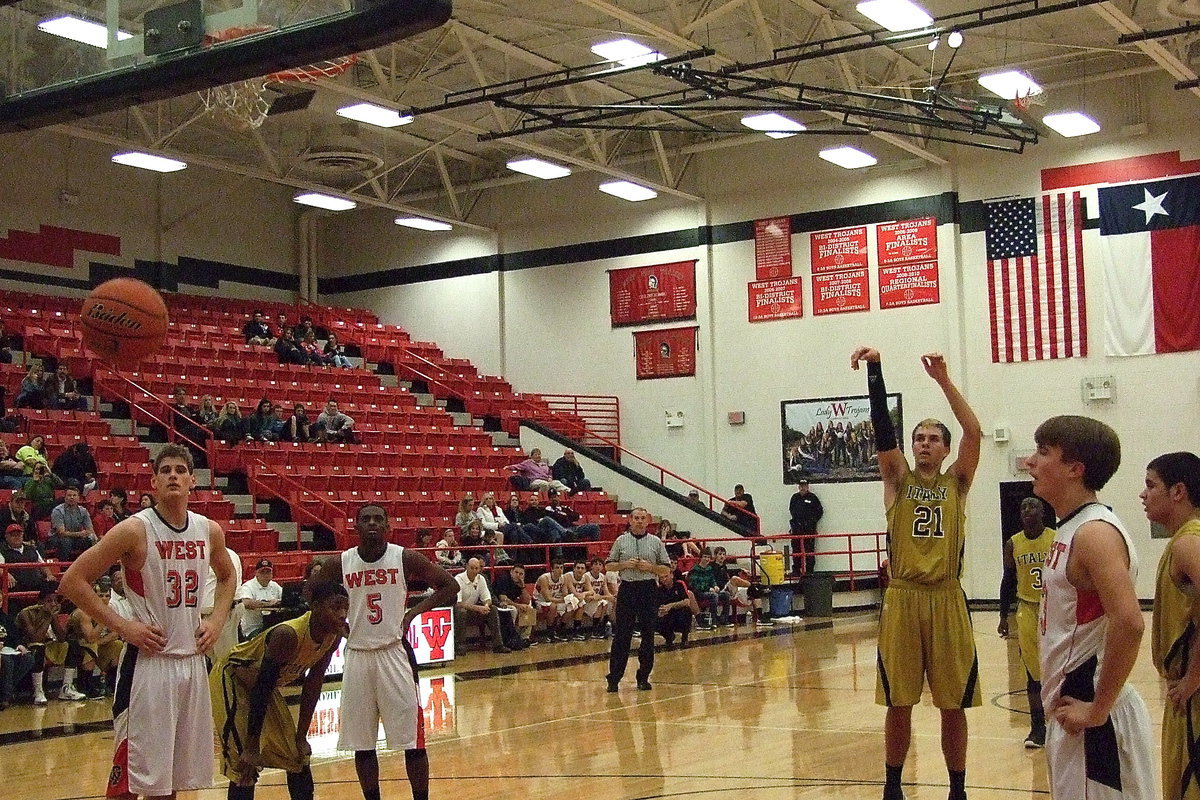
123	320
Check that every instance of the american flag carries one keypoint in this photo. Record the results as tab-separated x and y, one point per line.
1035	278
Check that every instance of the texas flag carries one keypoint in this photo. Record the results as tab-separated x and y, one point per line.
1151	237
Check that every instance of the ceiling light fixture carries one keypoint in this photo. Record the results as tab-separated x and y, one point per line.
1071	123
848	157
424	224
774	125
627	190
538	168
372	114
955	39
895	15
150	162
626	52
80	30
325	201
1010	84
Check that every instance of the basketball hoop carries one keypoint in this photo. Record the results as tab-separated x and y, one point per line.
244	103
1021	102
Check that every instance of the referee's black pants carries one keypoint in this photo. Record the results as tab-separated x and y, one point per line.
636	605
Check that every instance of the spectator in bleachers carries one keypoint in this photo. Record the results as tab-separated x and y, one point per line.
448	555
118	602
298	427
101	647
678	543
77	465
499	556
568	471
41	627
145	501
555	611
336	354
33	453
304	329
16	512
228	427
674	610
102	519
256	594
693	499
739	508
523	531
734	583
257	331
61	391
281	323
279	423
713	599
71	529
288	351
119	499
533	473
16	550
185	420
257	426
493	519
207	413
312	349
15	659
471	541
465	512
332	425
39	490
567	519
12	472
514	602
32	393
474	608
425	539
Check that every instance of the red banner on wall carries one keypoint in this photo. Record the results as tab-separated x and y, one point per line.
908	285
906	242
666	353
841	292
652	294
844	248
772	248
778	299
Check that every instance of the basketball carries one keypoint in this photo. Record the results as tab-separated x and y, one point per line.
123	320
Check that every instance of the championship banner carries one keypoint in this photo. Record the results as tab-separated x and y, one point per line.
778	299
666	353
772	248
652	294
906	242
836	250
841	292
908	285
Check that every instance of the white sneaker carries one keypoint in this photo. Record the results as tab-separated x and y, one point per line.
69	692
39	699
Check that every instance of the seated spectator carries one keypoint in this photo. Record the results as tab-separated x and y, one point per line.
102	519
557	608
101	647
16	550
425	540
312	349
713	599
117	601
62	392
15	659
287	350
39	490
333	426
514	603
228	427
567	520
257	426
472	543
448	554
281	323
16	512
119	499
679	544
739	508
674	610
533	473
568	471
257	331
543	529
71	529
40	627
493	519
77	465
145	501
207	413
279	423
599	601
335	354
465	512
499	556
693	499
256	594
184	419
32	393
33	453
12	471
304	329
474	608
297	428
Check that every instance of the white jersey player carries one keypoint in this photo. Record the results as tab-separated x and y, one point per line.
380	679
161	711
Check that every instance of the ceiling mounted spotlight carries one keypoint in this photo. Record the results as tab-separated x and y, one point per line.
955	39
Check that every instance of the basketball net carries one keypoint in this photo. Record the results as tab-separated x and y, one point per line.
244	103
1021	102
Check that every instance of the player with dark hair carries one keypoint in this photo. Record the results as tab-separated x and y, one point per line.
253	722
1098	731
161	710
924	628
1172	499
1024	558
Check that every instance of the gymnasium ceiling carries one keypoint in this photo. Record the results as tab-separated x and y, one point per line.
442	163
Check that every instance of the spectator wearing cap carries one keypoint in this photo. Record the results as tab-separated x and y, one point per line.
16	550
256	594
16	512
71	530
806	511
567	470
693	498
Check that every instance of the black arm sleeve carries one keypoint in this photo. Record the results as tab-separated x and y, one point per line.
881	420
1008	591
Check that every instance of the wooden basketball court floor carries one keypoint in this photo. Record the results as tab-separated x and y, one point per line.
740	714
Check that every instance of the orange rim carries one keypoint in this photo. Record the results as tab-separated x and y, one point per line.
312	72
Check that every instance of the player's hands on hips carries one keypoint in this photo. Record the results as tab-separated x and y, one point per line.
1002	628
1180	691
409	616
1076	715
863	354
935	367
206	636
149	638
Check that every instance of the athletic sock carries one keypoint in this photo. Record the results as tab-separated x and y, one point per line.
240	792
891	785
371	794
420	795
958	784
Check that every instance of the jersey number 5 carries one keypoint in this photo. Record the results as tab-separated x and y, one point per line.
374	609
927	521
182	590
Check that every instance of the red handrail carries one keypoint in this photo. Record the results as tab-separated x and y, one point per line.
338	525
100	380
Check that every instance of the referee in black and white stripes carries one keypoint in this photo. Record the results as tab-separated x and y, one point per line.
639	558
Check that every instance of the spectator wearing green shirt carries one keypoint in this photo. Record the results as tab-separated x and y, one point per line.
702	580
